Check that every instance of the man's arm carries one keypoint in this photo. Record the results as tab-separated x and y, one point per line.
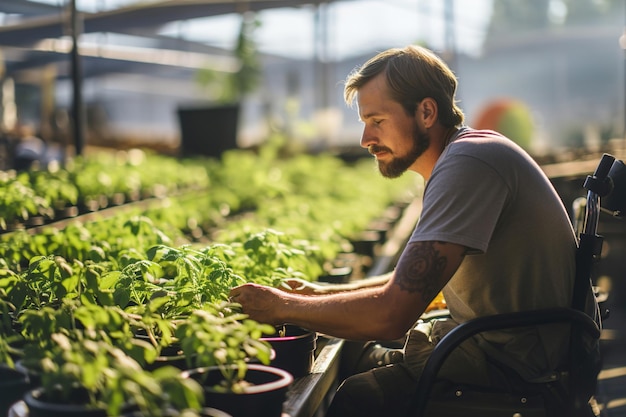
384	313
300	286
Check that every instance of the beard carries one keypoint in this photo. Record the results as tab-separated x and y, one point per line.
399	165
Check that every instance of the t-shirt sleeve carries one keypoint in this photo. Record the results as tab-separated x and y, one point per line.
463	200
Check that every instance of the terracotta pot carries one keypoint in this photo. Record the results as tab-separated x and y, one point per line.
265	394
34	221
65	212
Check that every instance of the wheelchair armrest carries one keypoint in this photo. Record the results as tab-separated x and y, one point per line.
478	325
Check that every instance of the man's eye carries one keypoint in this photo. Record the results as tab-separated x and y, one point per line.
377	122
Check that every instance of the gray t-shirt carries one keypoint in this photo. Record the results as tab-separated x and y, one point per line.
489	195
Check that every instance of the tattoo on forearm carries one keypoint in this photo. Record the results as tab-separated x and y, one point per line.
420	269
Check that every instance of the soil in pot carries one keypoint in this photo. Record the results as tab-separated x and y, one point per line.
264	395
179	361
294	349
40	404
170	356
13	385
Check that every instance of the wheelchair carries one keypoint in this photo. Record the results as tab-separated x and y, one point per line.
569	390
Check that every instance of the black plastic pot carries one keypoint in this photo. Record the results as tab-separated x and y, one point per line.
42	405
213	412
177	361
204	412
34	376
366	242
336	275
264	396
382	227
208	130
294	349
170	356
13	385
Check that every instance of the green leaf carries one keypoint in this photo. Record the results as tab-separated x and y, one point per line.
110	279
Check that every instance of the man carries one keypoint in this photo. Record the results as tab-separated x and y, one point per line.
493	235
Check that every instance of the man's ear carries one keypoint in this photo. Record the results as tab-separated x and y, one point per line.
427	111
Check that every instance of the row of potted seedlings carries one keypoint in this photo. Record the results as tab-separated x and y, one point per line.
95	332
105	315
90	183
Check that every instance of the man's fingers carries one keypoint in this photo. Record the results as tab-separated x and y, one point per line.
292	284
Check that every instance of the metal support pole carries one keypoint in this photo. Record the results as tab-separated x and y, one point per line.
622	44
321	55
623	141
77	103
450	35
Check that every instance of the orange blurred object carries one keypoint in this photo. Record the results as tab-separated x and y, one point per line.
438	303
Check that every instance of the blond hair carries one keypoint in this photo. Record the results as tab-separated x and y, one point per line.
412	74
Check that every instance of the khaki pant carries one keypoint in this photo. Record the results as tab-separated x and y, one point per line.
386	389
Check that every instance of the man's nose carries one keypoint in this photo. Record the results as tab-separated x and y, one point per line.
367	139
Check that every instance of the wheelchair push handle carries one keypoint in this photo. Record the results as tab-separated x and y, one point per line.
604	166
599	183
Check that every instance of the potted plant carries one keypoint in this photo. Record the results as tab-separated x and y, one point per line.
19	201
227	356
13	383
86	376
86	362
265	389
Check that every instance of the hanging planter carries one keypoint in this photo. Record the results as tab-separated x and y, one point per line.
263	388
294	349
208	130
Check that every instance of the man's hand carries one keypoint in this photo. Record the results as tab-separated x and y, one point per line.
259	302
303	287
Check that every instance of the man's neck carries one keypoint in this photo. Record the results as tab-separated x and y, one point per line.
440	138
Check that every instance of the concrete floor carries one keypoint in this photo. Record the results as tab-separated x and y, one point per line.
612	380
611	273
